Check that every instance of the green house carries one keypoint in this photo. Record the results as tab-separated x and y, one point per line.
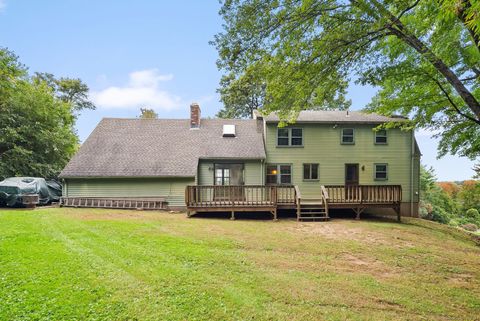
327	158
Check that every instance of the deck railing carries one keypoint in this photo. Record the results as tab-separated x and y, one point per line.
219	196
364	194
239	195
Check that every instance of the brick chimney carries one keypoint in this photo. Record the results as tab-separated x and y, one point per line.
194	115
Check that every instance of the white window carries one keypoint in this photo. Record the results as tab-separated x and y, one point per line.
348	136
381	137
310	171
289	137
381	172
279	174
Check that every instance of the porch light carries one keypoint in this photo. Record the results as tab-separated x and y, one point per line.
274	172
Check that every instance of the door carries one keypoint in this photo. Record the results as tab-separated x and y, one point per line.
229	175
351	182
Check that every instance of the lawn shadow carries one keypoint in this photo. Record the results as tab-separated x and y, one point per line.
284	214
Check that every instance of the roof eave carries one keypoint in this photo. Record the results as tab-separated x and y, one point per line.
340	121
126	176
233	158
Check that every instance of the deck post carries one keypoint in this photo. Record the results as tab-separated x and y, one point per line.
233	216
397	209
358	211
274	212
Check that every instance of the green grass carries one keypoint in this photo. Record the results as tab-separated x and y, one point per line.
84	264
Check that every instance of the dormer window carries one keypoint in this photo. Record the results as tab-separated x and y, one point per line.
229	131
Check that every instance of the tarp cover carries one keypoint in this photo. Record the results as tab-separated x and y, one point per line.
12	189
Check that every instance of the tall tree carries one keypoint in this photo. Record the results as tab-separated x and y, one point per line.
435	203
146	113
240	96
37	136
69	90
424	59
470	195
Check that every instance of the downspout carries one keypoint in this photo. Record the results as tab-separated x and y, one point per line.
262	175
411	172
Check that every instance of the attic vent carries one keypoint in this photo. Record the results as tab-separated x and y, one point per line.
228	130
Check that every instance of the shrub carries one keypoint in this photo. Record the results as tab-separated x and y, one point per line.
473	214
434	213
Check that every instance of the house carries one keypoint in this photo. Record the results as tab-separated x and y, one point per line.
327	159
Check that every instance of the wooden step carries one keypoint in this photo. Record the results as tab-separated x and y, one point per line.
312	206
324	218
322	215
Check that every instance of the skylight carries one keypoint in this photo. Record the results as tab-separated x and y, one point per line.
229	131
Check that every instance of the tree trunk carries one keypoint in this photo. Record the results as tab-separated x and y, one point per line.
462	15
441	67
399	30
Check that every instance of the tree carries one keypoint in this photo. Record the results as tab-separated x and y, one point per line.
424	59
240	96
37	136
69	90
470	195
467	12
476	168
435	203
146	113
451	188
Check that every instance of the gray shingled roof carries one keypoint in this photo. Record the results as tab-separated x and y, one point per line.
337	116
161	147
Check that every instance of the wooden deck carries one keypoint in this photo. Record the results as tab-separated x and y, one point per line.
271	198
244	198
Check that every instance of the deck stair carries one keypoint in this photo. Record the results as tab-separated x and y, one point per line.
312	209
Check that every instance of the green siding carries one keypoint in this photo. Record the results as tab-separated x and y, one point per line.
205	175
171	188
253	173
322	145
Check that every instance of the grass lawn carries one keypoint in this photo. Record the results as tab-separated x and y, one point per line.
92	264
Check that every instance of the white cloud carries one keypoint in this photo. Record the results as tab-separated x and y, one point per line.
3	4
142	90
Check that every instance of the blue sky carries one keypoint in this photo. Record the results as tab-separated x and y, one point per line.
143	53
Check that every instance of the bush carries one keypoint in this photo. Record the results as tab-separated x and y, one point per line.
434	213
441	216
472	214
